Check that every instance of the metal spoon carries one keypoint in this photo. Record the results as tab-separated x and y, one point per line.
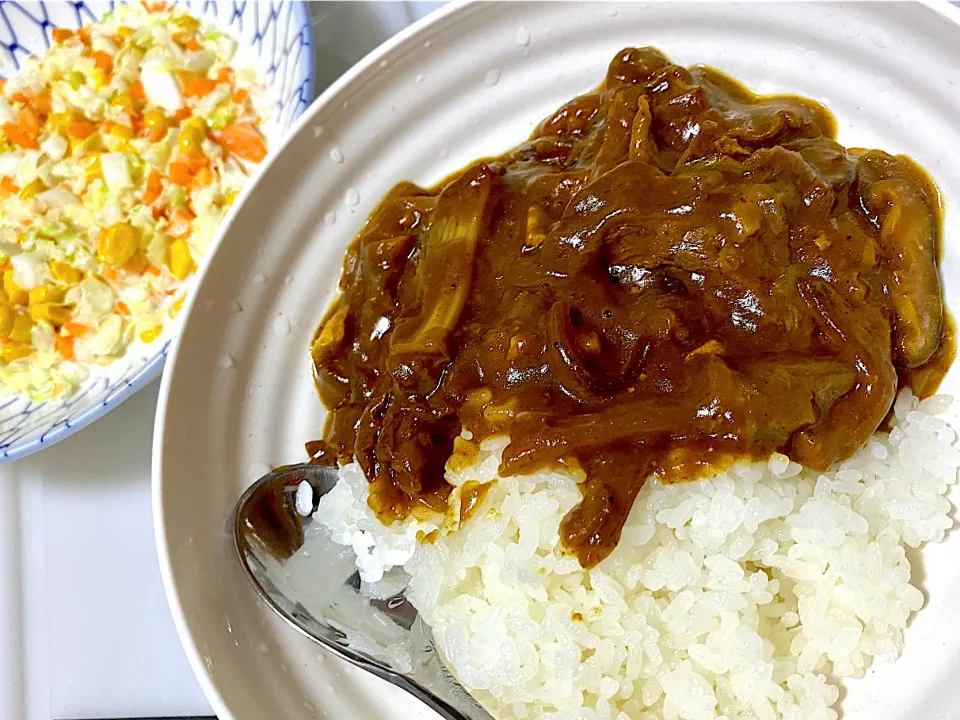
312	584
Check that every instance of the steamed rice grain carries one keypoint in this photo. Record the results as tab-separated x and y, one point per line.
748	595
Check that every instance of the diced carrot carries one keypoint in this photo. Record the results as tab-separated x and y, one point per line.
84	34
7	265
61	35
154	188
203	177
41	103
81	128
183	215
21	98
3	84
76	329
240	97
196	162
103	61
136	264
157	212
152	270
182	114
29	122
8	185
192	44
136	90
197	86
224	75
123	308
243	140
108	273
179	173
19	137
155	7
64	344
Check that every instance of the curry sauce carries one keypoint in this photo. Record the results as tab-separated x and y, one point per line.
672	273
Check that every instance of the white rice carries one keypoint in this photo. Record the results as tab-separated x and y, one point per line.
749	595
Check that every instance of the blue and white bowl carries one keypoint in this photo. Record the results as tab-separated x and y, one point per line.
278	35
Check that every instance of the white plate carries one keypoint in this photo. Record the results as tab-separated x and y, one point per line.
470	82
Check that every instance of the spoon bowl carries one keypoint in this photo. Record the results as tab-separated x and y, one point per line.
313	585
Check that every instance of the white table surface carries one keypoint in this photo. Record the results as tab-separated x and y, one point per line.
89	634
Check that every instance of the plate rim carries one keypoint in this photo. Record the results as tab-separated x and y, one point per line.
210	687
154	366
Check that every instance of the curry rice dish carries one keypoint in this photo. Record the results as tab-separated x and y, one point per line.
625	399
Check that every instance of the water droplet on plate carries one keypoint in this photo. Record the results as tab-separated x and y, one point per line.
208	304
427	44
260	279
612	12
227	362
492	77
281	326
288	279
384	63
346	104
330	219
419	78
444	154
318	131
336	154
523	37
263	647
351	197
879	38
236	306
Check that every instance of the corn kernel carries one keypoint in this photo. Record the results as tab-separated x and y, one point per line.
65	273
126	101
122	131
22	329
187	22
8	318
32	189
152	334
119	243
124	31
98	77
46	294
17	295
176	307
181	261
92	144
192	135
15	351
229	199
92	168
51	312
77	79
157	124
